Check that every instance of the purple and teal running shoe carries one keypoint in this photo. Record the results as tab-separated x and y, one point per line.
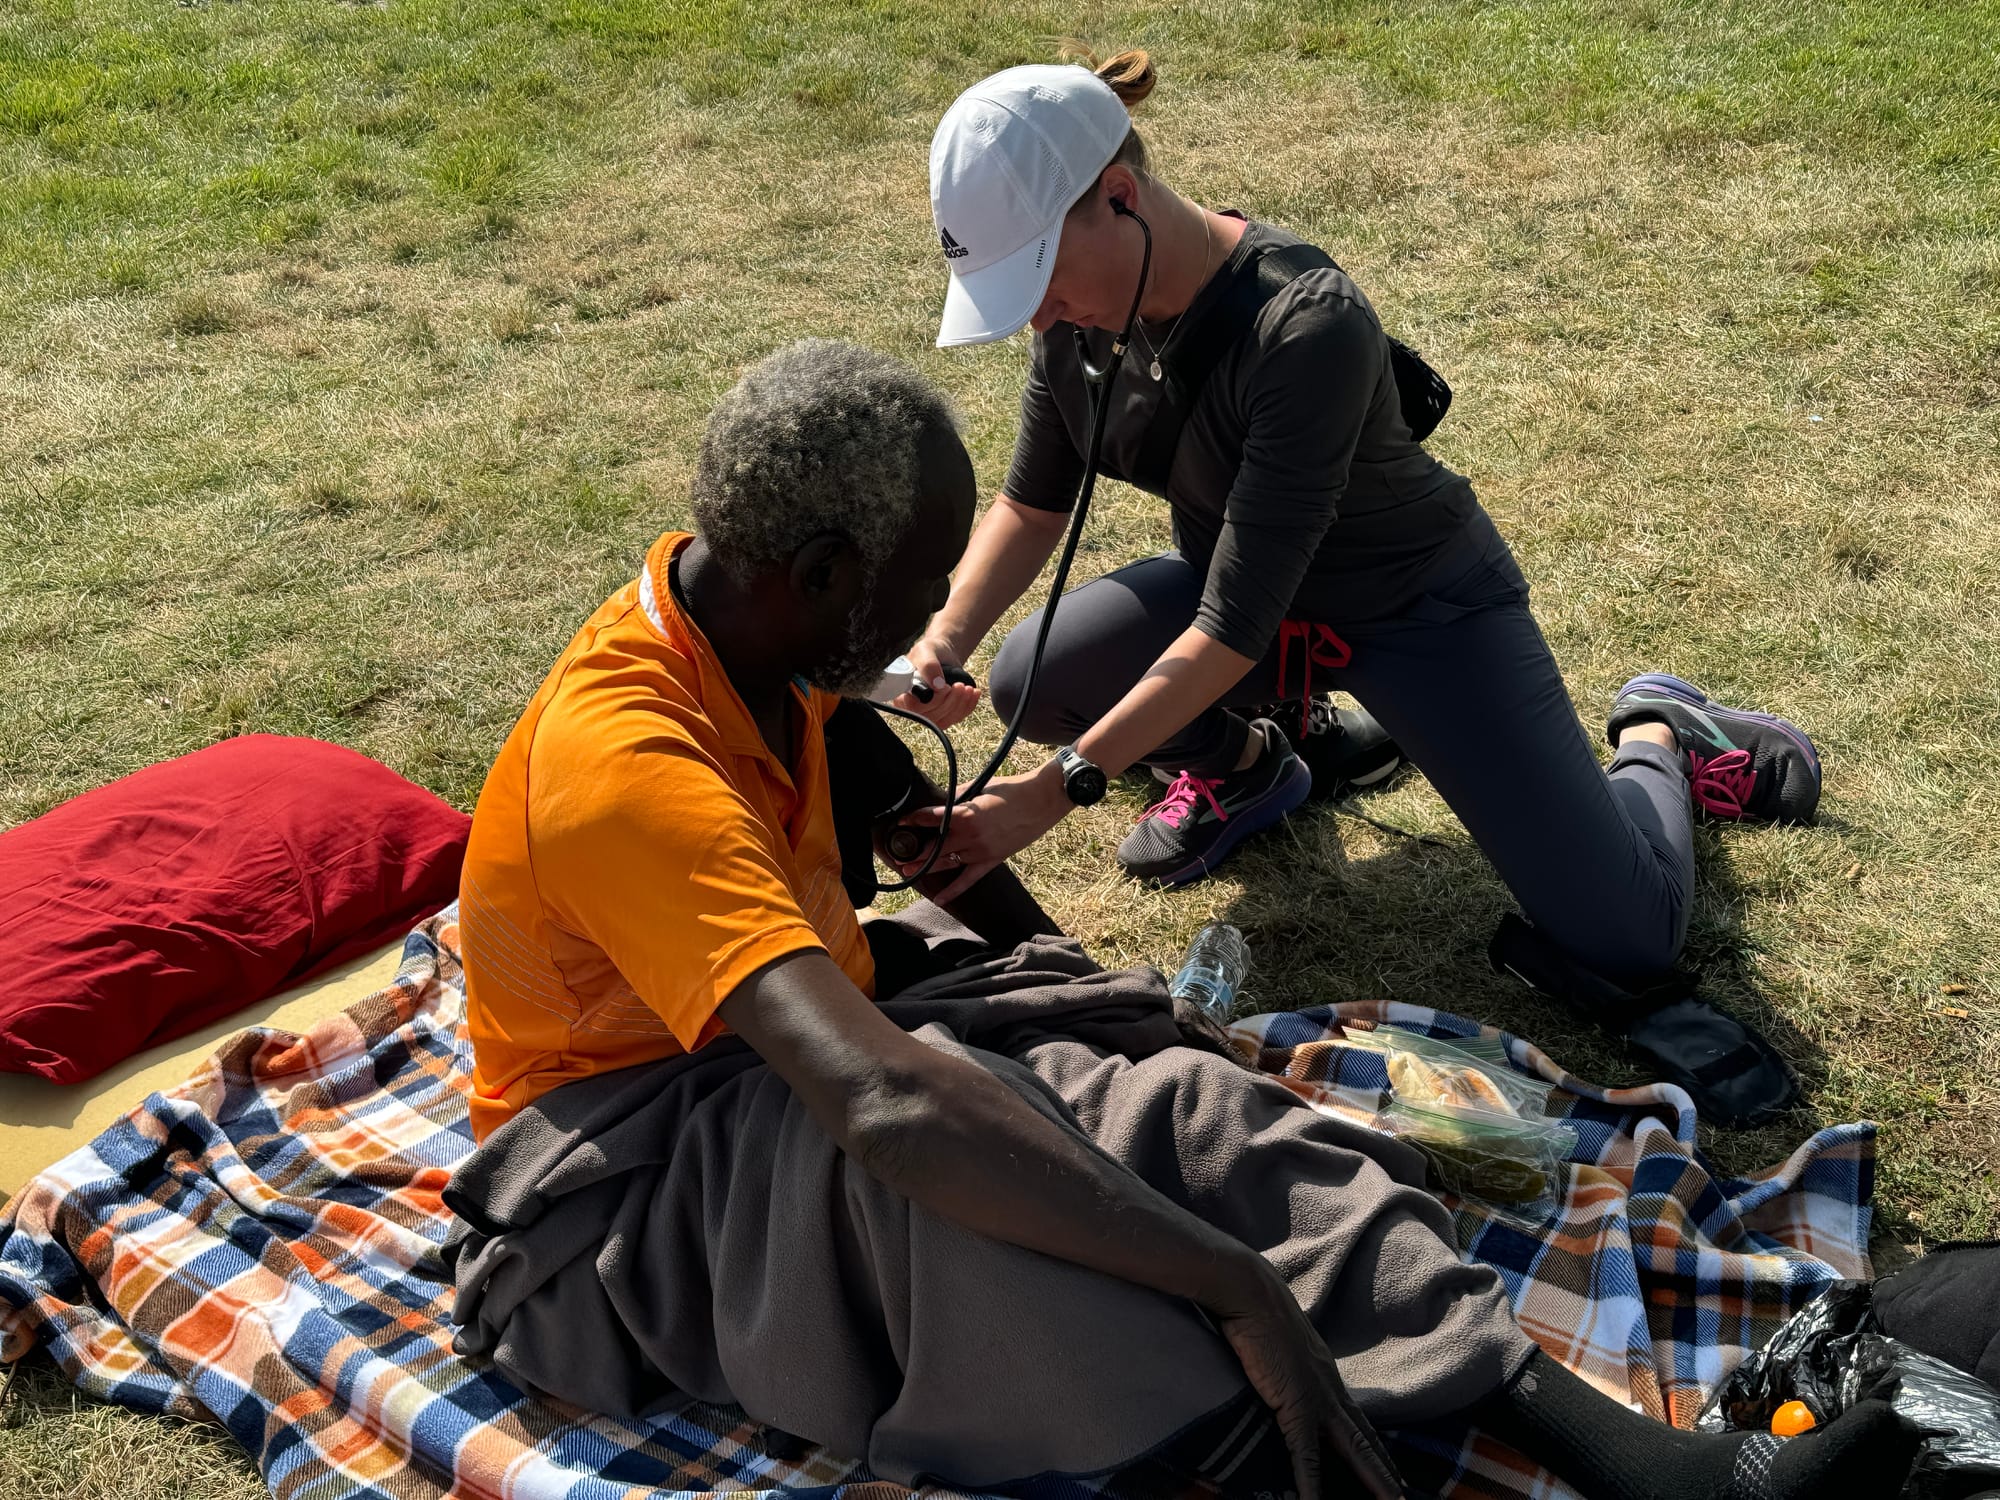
1741	764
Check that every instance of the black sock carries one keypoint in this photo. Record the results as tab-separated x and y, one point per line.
1612	1453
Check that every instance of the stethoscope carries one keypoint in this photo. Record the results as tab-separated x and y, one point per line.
906	843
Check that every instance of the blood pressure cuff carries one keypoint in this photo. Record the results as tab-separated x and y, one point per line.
870	776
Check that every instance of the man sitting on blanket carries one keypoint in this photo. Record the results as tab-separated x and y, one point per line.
656	860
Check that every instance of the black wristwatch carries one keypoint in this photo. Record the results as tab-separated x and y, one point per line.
1083	782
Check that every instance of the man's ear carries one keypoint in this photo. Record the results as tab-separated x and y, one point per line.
826	573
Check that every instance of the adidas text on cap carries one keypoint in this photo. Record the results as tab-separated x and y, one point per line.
1011	157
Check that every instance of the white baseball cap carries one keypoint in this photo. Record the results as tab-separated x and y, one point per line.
1011	157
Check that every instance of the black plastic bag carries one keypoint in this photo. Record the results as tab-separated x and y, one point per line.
1831	1355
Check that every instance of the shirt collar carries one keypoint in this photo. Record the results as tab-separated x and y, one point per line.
720	700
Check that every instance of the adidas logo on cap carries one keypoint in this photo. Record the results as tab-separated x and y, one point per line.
953	250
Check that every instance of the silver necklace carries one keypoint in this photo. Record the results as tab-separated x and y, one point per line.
1154	369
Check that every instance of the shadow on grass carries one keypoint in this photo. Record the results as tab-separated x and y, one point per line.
1334	912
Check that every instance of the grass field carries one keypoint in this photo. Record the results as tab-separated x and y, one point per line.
353	352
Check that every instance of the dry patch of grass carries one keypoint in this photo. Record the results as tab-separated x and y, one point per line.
57	1447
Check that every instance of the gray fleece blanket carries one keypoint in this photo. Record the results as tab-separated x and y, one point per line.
684	1230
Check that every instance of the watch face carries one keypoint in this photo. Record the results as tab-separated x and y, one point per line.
1085	785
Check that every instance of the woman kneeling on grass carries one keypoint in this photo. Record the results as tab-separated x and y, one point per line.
1318	546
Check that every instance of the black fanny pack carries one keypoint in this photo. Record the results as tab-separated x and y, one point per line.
1425	396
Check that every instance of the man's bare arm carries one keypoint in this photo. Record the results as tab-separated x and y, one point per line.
947	1134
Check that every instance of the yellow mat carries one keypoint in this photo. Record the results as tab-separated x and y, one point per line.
42	1122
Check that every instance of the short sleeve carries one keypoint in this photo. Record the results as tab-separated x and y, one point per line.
1309	389
671	874
1047	468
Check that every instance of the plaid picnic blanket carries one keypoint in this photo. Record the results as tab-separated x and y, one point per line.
259	1247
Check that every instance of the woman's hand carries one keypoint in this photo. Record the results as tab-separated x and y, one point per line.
1291	1368
999	823
932	658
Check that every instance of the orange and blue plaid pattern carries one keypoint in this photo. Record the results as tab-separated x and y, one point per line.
1650	1275
259	1247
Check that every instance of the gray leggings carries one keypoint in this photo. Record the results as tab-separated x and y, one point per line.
1603	864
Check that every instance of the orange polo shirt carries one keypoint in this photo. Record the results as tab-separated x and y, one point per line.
638	852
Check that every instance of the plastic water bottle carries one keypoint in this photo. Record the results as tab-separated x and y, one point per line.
1213	970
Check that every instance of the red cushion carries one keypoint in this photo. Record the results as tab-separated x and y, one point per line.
156	905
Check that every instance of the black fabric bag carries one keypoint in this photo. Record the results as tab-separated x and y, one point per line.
1423	392
1425	395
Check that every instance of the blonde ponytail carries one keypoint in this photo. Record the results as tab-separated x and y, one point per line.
1131	76
1130	73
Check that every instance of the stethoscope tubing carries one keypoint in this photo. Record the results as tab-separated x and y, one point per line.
1100	379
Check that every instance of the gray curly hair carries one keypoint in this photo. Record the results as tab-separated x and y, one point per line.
819	436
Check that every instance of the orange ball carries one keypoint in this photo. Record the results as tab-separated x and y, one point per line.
1793	1418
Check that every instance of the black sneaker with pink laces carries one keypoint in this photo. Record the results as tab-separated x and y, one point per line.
1202	819
1742	764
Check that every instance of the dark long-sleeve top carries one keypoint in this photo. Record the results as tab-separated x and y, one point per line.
1296	484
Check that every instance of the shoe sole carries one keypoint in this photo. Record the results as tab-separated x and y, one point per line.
1284	799
1689	694
1382	773
1347	786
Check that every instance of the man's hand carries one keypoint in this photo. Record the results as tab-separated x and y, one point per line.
1291	1368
